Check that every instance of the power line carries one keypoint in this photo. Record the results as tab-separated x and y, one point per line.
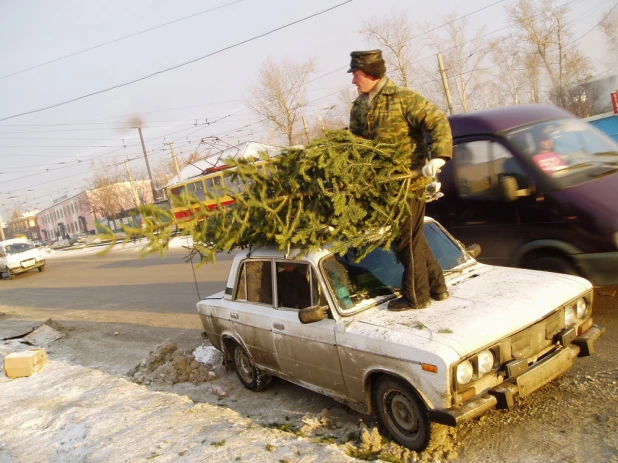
178	65
117	40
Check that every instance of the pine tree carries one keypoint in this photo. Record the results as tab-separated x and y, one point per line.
339	191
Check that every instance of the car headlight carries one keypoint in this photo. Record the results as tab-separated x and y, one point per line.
569	316
581	307
485	361
464	372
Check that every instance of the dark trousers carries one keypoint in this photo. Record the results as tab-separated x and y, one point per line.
422	274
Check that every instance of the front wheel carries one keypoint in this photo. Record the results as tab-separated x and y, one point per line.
42	268
250	376
402	413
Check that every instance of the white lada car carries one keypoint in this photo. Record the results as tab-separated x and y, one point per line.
321	321
18	255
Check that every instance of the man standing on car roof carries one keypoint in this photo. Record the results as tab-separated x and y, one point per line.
388	113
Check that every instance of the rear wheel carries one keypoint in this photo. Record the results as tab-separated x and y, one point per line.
250	376
402	413
554	264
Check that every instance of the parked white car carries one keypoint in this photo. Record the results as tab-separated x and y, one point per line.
18	255
321	321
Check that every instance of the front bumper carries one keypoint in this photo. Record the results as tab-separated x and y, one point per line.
26	267
503	395
601	268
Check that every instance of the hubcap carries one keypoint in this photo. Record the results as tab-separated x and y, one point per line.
245	366
403	412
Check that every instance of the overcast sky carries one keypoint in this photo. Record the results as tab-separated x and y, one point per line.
47	154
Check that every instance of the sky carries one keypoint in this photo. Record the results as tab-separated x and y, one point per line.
50	153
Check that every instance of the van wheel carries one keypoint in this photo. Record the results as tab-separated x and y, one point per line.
552	264
250	376
402	413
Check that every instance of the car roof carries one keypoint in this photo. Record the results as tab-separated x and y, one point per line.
496	120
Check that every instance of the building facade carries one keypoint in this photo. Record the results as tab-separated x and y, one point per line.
23	224
82	213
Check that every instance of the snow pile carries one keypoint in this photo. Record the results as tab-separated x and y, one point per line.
209	356
169	364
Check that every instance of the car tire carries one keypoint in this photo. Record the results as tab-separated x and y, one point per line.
402	413
9	274
554	264
249	375
42	268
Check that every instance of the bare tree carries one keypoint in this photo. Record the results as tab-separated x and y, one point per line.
510	70
111	194
463	56
280	94
609	27
394	36
546	32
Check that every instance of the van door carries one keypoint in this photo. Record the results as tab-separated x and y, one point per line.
478	212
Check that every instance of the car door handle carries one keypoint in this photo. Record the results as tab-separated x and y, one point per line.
234	316
278	326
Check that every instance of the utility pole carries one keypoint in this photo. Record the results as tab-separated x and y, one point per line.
152	185
175	161
306	129
447	92
137	201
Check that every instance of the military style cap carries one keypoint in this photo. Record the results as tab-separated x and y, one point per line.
370	62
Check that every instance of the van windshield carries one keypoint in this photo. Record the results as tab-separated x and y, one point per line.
566	149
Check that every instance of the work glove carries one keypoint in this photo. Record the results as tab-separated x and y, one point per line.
432	168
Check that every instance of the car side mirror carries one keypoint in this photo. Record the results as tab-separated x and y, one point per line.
313	314
510	188
474	250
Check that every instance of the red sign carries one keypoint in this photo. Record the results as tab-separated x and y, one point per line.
615	102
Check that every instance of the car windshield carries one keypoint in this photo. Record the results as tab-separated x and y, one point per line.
16	248
563	148
358	285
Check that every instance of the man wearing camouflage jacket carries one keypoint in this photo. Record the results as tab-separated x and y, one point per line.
388	113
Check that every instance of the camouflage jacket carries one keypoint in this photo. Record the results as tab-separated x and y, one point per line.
400	115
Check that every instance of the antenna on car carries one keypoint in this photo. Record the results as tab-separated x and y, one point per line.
199	298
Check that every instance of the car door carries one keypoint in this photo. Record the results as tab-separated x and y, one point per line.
252	311
307	353
478	212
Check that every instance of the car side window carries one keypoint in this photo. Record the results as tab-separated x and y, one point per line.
293	285
480	164
255	282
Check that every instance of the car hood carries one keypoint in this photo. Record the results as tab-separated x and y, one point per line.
20	256
487	304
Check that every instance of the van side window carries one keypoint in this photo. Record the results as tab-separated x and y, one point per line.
479	165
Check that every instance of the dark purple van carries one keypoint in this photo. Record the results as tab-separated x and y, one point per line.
536	187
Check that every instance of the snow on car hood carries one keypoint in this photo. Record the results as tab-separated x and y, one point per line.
487	304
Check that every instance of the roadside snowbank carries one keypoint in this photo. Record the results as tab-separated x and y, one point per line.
70	413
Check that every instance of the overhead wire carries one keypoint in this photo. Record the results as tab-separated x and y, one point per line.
98	92
118	40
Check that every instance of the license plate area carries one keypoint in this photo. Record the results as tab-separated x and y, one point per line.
28	263
545	371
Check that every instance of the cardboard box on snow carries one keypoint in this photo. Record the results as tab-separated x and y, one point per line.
26	363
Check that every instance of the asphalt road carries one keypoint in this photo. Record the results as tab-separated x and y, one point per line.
141	301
